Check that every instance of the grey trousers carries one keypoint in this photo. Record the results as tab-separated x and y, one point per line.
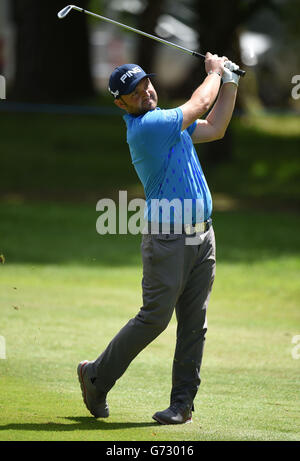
175	276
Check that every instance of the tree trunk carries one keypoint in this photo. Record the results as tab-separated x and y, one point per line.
52	55
224	43
218	33
219	24
147	22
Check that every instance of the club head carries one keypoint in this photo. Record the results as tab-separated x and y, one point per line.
63	13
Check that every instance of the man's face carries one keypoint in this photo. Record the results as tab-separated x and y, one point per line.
142	99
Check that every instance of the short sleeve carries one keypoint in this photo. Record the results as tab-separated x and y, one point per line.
162	128
190	129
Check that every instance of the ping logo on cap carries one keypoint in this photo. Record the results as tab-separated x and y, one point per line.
130	73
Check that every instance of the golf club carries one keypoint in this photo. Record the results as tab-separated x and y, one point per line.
65	11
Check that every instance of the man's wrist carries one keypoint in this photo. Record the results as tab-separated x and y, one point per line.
233	78
214	72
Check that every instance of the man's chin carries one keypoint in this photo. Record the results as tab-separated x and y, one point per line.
146	107
150	105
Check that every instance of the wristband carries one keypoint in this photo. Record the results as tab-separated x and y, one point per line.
214	72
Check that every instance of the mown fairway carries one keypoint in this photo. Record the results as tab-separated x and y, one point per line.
65	291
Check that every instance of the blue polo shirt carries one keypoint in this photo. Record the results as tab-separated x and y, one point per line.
167	164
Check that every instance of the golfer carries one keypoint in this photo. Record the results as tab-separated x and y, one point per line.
176	275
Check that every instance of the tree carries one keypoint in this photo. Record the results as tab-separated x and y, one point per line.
147	22
219	24
52	55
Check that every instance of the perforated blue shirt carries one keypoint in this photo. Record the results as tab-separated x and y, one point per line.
167	164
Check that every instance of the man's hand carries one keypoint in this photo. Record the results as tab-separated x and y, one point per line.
229	76
213	63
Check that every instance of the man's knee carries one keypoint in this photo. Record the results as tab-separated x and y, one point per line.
155	319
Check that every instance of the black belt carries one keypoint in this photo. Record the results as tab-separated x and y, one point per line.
187	229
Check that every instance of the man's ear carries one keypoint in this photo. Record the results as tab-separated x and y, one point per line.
120	103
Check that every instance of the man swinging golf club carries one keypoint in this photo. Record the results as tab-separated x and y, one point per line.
175	275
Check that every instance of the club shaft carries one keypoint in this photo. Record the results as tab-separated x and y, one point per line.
140	32
145	34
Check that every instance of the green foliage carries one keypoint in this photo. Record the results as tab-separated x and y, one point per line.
265	160
80	157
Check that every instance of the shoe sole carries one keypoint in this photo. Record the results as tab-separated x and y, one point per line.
161	421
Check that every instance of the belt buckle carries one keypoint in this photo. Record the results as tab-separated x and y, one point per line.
198	228
188	229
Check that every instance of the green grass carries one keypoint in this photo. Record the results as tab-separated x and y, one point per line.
65	291
81	157
265	160
71	156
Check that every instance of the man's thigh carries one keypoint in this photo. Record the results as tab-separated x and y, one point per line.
192	303
163	265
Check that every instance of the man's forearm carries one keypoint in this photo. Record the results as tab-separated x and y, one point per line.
220	115
205	95
201	100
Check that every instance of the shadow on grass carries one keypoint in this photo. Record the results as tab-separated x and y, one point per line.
83	423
